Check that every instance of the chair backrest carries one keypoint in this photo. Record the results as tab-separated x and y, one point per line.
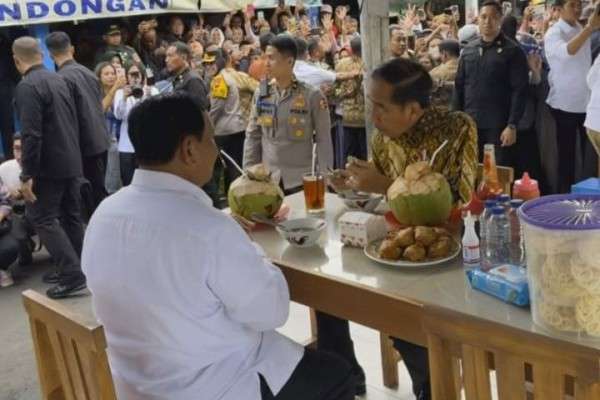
557	368
506	176
70	353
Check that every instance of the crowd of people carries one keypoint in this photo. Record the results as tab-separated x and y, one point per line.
282	91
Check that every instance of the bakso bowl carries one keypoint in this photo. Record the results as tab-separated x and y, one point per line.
302	232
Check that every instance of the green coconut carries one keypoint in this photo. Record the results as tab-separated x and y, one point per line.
421	197
255	193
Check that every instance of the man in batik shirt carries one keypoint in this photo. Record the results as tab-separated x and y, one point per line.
408	127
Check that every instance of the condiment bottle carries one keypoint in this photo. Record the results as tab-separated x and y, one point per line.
470	243
526	188
490	185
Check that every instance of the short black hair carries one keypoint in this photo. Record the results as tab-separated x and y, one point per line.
451	47
158	125
410	80
265	40
356	46
492	3
182	49
286	45
312	45
58	42
301	47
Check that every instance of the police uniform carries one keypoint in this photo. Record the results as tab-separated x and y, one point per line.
283	127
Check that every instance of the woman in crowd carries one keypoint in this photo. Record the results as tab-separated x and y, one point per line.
125	99
111	83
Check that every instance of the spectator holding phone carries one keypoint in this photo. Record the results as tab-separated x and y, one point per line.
569	52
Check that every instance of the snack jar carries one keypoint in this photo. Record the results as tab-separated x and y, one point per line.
562	241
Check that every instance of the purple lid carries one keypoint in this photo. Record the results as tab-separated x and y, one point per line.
563	212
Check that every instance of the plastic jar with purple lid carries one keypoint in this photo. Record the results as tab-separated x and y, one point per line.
562	241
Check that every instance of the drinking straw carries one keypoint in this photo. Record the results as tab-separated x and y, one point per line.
435	153
314	160
231	160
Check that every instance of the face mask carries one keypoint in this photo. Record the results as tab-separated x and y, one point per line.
434	53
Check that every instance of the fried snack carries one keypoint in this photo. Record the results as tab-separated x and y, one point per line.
586	275
415	253
440	249
587	313
389	251
556	277
425	235
441	232
405	237
558	317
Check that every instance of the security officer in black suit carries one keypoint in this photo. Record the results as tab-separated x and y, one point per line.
491	84
184	79
87	94
51	163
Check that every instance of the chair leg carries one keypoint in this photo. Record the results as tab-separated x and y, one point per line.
389	361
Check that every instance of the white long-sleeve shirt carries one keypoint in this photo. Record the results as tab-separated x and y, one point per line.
593	110
122	108
568	88
189	305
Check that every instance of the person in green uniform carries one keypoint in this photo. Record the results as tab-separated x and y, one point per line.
407	127
113	45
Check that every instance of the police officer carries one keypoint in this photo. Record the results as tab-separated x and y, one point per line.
287	118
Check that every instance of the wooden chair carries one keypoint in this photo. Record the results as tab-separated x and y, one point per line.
506	176
71	354
556	368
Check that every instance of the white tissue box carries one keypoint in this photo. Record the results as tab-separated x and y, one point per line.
359	228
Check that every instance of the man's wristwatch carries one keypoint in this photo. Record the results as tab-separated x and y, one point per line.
24	178
513	127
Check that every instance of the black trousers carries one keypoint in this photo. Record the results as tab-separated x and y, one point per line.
59	199
355	143
7	124
234	146
9	250
94	170
333	335
318	376
568	127
505	156
127	165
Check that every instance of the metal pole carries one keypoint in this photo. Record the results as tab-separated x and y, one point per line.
374	21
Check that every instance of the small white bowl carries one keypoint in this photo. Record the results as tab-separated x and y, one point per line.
302	232
361	201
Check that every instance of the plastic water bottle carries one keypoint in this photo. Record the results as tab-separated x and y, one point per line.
498	238
470	243
504	201
483	223
517	250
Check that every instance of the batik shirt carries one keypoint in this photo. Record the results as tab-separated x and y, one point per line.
457	161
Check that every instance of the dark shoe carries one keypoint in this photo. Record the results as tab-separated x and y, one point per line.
51	277
63	290
361	382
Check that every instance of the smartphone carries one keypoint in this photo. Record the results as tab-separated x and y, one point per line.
261	15
150	81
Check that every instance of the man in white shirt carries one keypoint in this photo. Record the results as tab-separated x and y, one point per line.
188	304
569	54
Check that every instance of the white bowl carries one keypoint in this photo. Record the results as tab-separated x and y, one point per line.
302	232
361	201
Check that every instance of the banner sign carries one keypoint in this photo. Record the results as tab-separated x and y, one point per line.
28	12
25	12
